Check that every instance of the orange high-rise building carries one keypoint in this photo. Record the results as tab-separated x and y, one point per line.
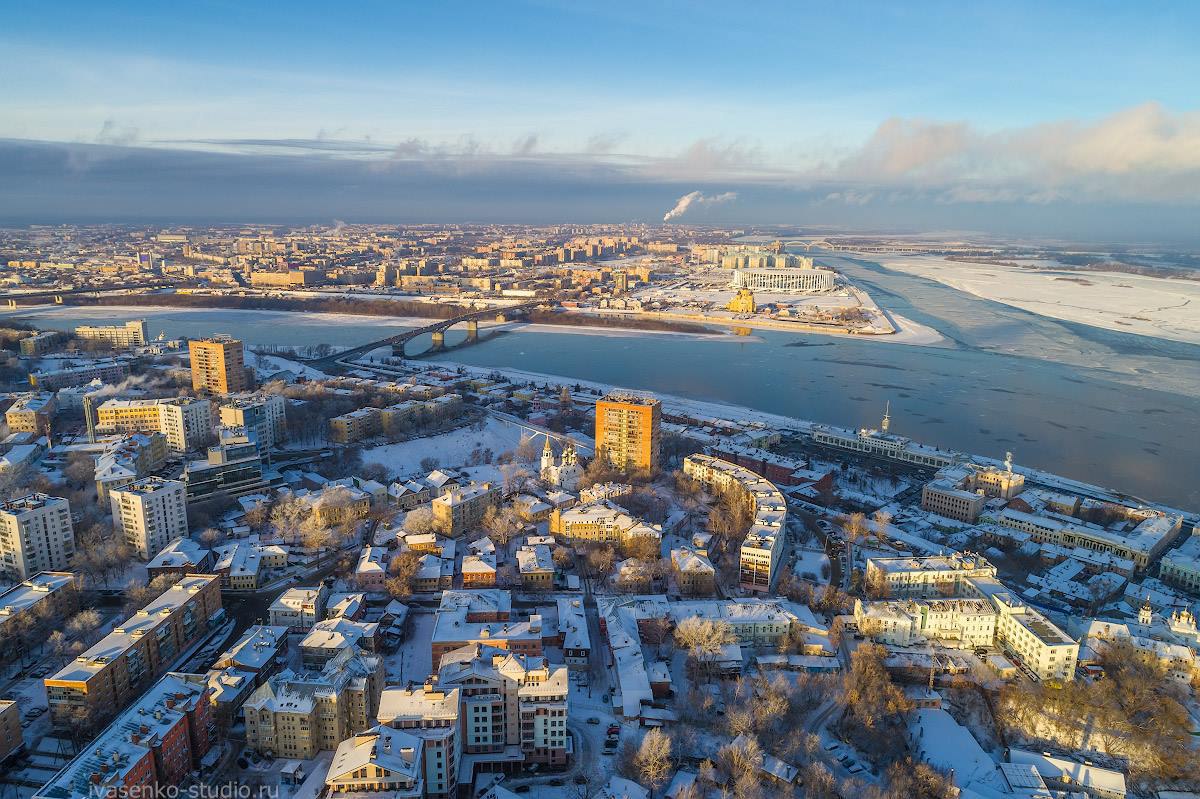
627	431
218	365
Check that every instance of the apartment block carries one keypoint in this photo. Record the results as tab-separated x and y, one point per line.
431	714
298	715
966	623
107	676
761	551
31	413
483	616
153	745
380	761
36	535
1181	567
262	414
48	595
134	456
944	498
149	514
185	422
131	334
462	508
299	608
627	431
937	575
601	521
218	365
109	370
12	741
509	700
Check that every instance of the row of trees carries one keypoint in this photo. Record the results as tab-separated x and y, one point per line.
1136	714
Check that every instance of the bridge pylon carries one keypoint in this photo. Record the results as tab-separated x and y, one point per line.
439	339
472	330
12	303
58	300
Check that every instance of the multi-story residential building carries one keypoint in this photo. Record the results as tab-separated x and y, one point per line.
355	425
108	675
233	467
576	638
967	623
47	595
149	513
338	504
483	616
238	564
262	414
131	334
536	567
1141	535
297	715
937	575
508	701
36	535
627	431
152	746
133	456
179	557
32	413
260	651
462	508
1181	567
371	572
218	365
106	371
1029	637
431	714
185	422
601	521
378	761
300	608
762	549
694	572
42	342
330	637
942	498
12	741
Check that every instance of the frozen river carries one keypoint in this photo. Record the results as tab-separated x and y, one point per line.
1112	408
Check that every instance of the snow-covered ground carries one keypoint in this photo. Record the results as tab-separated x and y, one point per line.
1150	306
448	449
267	365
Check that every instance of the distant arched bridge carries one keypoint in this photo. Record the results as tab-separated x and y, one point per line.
437	329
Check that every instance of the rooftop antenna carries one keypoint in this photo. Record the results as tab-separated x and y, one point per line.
1008	462
887	416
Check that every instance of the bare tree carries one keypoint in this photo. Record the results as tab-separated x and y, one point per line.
653	759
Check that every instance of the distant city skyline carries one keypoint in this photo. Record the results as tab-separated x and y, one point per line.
1074	121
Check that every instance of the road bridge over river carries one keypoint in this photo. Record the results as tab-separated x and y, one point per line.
436	329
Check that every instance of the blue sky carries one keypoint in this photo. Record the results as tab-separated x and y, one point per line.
931	114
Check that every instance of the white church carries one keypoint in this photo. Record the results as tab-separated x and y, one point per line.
565	474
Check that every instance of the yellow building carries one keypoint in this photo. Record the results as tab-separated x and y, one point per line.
627	431
218	365
742	302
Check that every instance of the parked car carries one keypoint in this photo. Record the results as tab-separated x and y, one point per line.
593	720
521	789
614	729
829	747
853	767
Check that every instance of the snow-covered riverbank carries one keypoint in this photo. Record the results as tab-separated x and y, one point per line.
1148	306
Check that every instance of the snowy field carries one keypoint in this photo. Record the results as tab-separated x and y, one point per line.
1149	306
448	449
